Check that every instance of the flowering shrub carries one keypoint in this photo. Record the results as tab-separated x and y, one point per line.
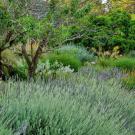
76	106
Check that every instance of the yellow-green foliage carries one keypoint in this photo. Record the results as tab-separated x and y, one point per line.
106	62
133	16
129	81
114	53
8	56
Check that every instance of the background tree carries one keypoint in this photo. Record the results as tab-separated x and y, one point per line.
128	5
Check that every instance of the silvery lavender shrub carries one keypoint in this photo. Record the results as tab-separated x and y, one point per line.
80	105
115	73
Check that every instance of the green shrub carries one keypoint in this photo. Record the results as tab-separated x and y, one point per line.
101	21
80	52
125	63
77	106
65	59
20	70
129	82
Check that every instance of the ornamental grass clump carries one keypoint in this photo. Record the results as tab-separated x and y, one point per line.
80	105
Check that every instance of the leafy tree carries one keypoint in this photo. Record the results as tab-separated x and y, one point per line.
128	5
37	30
11	30
48	31
106	31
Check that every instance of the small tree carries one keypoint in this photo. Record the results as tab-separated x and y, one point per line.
48	31
11	30
37	31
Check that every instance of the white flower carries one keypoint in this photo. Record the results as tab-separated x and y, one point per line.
93	62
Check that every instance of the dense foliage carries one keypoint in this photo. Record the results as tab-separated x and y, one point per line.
57	24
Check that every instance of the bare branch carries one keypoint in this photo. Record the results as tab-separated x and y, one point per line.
42	44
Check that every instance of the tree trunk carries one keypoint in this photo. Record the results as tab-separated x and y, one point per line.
33	64
33	61
31	71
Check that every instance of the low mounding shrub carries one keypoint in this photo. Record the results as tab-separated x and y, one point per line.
69	55
80	52
65	59
125	63
77	106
